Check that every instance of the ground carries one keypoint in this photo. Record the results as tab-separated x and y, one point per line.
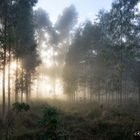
74	121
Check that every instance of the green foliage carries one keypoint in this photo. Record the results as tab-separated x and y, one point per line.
119	113
104	55
8	126
21	107
107	123
120	68
51	124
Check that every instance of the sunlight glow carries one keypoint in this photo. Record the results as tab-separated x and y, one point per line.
46	87
13	66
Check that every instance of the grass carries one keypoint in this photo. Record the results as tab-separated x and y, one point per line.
79	121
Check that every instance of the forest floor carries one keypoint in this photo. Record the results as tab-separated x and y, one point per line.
80	121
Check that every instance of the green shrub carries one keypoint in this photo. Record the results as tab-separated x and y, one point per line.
25	107
51	125
21	107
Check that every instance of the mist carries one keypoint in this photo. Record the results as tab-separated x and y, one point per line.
69	79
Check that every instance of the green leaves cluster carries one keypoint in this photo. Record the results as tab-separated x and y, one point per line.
21	107
51	124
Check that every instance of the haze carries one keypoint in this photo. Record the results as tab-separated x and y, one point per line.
70	70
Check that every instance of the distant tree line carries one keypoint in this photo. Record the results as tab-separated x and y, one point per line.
54	37
103	60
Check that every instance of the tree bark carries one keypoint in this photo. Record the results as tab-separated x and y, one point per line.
3	82
16	82
9	79
139	94
22	85
27	88
4	61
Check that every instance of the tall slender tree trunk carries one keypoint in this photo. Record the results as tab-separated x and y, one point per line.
22	84
121	61
54	80
139	94
106	92
99	92
27	94
4	61
3	82
9	79
16	82
27	88
37	87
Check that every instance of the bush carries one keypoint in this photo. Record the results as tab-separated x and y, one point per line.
21	107
51	124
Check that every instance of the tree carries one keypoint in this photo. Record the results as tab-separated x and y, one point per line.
122	16
24	28
5	23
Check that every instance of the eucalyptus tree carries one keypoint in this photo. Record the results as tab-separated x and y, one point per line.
17	39
58	37
81	56
6	25
122	26
25	41
43	26
64	26
3	17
